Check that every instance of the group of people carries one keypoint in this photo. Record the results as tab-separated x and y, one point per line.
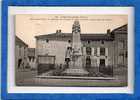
27	63
32	63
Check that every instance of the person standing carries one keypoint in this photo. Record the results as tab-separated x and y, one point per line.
68	56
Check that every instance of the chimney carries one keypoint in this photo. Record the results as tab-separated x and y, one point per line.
108	31
58	31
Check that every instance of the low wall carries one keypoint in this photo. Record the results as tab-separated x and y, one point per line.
42	68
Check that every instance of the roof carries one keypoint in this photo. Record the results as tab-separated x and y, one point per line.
121	29
85	36
52	35
20	42
96	37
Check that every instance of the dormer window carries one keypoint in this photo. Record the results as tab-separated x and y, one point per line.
88	42
102	42
69	41
47	40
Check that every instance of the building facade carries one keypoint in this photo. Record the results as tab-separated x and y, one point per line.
21	53
105	49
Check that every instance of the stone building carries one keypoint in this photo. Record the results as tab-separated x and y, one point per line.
21	53
104	49
121	50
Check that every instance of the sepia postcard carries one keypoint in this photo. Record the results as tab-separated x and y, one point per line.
72	49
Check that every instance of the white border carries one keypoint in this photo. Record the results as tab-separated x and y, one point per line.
70	10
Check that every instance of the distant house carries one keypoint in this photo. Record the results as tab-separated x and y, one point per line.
21	53
31	53
104	49
32	58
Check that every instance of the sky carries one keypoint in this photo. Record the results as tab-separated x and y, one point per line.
28	26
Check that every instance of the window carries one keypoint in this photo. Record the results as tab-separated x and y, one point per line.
47	40
102	42
102	51
88	50
102	62
126	54
20	50
95	51
121	44
88	62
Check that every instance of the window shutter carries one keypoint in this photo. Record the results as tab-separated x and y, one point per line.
84	50
106	51
92	51
106	62
98	62
98	51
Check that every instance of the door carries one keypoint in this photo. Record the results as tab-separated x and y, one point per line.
88	62
102	62
102	65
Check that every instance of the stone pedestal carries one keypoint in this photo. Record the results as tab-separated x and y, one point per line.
76	68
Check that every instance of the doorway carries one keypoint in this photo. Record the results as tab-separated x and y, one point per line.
102	66
102	62
88	62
